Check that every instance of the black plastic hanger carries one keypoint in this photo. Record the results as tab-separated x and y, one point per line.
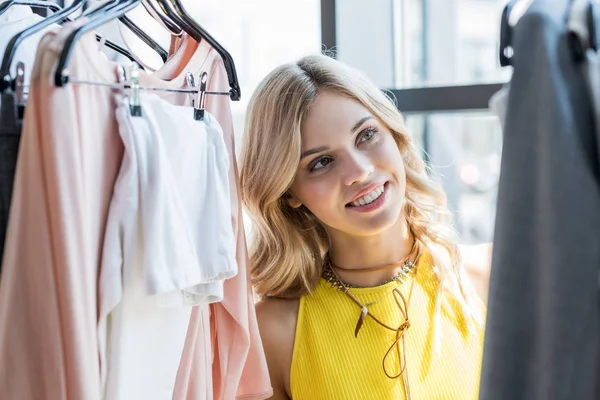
154	10
11	48
518	8
171	12
5	5
579	47
506	49
592	20
58	16
175	10
98	17
106	6
147	39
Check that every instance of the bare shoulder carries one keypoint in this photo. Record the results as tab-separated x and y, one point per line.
277	316
277	324
477	264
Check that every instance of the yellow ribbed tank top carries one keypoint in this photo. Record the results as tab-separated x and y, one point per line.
329	362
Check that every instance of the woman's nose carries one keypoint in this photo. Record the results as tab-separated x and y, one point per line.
357	168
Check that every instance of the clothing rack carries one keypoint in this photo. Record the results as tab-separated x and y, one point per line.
133	88
195	310
115	9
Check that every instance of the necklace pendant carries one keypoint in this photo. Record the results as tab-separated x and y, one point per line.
363	313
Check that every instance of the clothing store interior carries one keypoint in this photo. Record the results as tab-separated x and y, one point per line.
400	199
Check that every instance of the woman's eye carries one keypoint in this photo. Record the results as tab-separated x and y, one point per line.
320	163
367	135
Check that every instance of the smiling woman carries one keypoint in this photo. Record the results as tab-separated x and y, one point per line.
364	294
359	162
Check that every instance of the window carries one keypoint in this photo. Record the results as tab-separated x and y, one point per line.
439	58
464	150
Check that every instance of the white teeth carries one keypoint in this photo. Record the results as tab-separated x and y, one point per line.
369	197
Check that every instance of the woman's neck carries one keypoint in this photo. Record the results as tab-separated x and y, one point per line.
386	248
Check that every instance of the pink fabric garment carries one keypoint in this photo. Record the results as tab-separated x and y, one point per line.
193	359
234	319
69	158
236	330
239	366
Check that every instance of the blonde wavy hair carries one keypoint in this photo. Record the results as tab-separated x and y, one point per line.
289	245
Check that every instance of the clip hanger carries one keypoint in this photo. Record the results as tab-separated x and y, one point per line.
135	105
201	100
592	20
20	83
191	83
121	74
19	89
131	88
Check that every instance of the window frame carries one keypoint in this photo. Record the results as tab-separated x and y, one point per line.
422	99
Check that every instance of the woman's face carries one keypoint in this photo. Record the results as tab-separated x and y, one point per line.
351	174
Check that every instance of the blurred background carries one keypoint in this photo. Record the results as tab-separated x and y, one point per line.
437	57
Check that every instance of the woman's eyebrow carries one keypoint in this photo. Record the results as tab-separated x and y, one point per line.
360	122
310	152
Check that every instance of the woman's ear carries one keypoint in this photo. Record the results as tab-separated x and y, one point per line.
293	201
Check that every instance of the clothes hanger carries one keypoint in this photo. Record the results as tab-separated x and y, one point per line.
592	19
110	12
155	11
147	39
5	5
175	10
161	18
105	13
582	30
512	12
505	50
61	15
516	8
171	12
11	48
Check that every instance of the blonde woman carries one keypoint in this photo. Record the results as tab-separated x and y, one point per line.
364	295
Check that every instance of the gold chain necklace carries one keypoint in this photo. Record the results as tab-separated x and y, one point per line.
330	276
406	269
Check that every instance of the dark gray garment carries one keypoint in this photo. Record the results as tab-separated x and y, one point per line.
542	328
10	135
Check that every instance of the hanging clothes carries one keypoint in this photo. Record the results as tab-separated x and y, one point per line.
10	135
590	59
239	366
17	18
14	20
543	325
69	158
169	246
65	179
593	78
